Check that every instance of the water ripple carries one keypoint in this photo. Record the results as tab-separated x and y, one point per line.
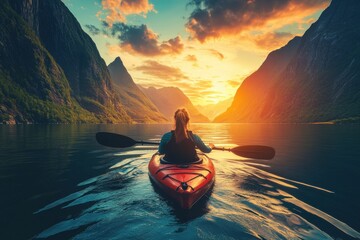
246	203
58	183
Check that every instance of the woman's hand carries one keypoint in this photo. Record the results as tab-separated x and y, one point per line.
211	145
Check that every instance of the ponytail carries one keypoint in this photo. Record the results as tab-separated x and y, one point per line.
181	124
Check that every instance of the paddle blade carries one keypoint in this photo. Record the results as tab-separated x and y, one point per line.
254	151
114	140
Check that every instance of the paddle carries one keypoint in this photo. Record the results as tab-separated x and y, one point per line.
118	141
249	151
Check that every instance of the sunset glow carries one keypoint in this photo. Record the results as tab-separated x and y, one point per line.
198	48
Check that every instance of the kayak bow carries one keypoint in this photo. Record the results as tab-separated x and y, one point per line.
186	183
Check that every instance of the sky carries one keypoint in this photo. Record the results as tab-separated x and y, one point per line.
204	47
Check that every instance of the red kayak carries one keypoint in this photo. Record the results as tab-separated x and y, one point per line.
185	184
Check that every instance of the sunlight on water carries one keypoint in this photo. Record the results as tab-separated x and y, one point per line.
248	201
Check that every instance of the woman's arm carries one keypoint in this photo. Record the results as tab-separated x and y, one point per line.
164	140
201	145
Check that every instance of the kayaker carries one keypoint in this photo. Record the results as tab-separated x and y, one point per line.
179	144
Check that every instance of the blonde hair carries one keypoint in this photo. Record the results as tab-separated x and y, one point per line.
181	124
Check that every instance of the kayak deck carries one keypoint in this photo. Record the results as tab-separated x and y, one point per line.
184	183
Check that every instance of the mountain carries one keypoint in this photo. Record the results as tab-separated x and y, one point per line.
321	81
213	110
169	99
250	98
136	104
50	69
33	87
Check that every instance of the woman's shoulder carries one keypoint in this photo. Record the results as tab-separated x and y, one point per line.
194	134
168	134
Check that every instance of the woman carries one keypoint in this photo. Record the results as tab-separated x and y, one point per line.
179	144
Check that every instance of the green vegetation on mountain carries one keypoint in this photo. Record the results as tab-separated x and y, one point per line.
33	86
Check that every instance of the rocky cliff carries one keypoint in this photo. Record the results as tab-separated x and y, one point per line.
46	56
136	104
321	81
29	10
33	87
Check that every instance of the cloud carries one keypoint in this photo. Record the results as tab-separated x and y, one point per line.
273	40
199	89
161	71
213	52
191	58
213	19
92	29
117	10
203	84
233	83
201	94
216	53
142	40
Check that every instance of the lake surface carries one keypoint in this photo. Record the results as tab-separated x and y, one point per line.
56	182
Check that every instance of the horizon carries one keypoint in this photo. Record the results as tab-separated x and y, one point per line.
206	60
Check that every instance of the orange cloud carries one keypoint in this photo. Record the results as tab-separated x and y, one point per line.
198	94
191	58
216	53
203	84
117	10
233	83
214	19
172	46
161	71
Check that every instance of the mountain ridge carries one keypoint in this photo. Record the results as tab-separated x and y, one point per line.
259	84
215	109
169	99
139	107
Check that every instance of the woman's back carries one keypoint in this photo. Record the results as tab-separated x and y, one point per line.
182	151
179	145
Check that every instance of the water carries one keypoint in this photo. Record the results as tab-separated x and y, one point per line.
56	182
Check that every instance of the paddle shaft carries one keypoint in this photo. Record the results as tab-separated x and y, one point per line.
251	151
222	149
121	141
149	143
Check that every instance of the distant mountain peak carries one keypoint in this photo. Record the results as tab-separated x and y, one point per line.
138	106
119	74
168	99
118	61
174	88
